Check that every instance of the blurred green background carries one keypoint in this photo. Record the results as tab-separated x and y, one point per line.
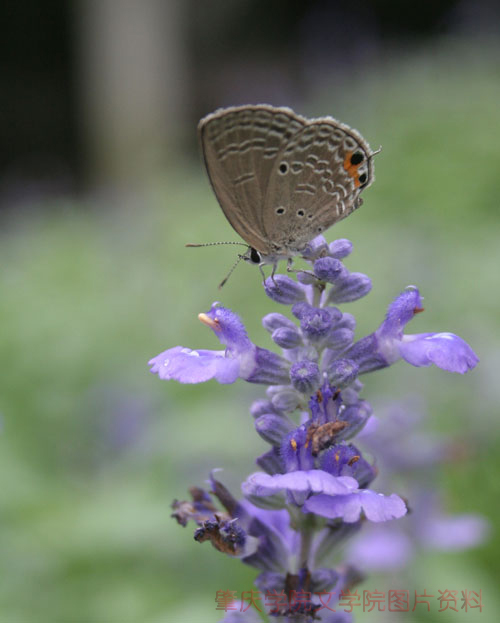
95	280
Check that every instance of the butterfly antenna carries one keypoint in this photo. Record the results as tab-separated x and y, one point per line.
222	283
374	153
214	244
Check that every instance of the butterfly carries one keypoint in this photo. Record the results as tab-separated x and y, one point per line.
282	179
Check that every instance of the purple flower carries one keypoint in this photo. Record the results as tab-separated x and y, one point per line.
388	344
335	490
240	359
337	496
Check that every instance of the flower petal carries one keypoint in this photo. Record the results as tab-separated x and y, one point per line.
400	312
376	507
445	350
195	366
299	482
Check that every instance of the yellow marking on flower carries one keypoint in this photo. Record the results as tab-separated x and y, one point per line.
293	443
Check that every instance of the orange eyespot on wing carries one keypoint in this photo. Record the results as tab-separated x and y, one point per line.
352	161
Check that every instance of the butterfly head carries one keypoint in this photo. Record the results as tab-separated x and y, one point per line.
252	256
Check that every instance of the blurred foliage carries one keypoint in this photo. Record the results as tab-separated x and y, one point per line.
94	449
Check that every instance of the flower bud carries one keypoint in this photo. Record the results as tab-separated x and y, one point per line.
269	368
315	322
306	278
305	377
270	462
329	269
315	248
272	428
339	339
287	338
356	416
261	407
284	290
270	581
340	248
352	287
342	372
323	580
274	321
283	397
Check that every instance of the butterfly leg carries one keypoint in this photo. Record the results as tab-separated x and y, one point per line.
289	269
263	274
275	283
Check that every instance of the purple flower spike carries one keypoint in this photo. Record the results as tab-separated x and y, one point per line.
313	406
375	506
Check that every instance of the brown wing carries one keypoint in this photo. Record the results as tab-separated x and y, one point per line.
316	181
240	146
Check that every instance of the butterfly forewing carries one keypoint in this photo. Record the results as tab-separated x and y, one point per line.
240	146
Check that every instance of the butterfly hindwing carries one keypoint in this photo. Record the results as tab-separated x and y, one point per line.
314	183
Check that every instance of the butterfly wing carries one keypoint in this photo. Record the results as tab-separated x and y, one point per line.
240	146
316	181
